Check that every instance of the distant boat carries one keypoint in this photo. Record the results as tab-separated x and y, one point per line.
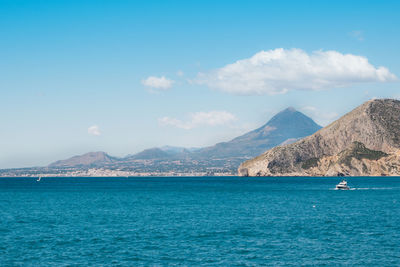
342	185
38	180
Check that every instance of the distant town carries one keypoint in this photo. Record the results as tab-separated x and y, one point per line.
103	172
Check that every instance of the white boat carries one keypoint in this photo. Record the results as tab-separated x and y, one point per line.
342	185
38	180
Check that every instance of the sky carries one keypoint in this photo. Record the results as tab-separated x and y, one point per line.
123	76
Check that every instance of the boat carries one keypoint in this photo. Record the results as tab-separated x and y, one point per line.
38	180
342	185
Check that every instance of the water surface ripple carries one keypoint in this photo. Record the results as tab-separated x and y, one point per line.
199	221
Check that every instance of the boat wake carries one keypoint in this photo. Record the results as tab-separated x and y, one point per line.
365	188
374	188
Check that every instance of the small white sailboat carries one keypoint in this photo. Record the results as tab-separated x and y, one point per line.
342	186
38	180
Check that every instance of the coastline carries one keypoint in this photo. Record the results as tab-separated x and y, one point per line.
113	173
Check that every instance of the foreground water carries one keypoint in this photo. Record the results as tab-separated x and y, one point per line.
203	220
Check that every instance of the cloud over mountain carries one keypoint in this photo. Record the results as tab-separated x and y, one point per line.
196	119
281	70
94	130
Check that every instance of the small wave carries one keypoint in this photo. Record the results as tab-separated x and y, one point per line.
365	188
374	188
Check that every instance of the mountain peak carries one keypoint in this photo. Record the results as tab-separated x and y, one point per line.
150	153
91	158
292	119
289	109
285	127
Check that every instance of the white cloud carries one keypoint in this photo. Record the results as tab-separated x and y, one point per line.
94	130
212	118
154	82
357	35
180	73
321	117
279	71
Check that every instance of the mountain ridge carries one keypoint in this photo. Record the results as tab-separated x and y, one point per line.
286	126
90	158
375	124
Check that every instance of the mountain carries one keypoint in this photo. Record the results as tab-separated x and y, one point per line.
161	152
286	126
365	141
177	149
151	153
91	158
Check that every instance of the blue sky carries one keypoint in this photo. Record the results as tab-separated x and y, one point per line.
74	75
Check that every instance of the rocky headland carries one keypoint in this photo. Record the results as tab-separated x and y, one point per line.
364	142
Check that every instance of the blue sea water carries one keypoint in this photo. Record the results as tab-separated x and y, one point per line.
228	221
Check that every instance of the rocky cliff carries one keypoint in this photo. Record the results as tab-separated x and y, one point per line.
366	141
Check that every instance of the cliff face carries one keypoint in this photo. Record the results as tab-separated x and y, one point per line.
374	126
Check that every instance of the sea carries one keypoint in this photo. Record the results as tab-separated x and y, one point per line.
193	221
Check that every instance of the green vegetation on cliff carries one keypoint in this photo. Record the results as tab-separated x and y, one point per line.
313	162
359	151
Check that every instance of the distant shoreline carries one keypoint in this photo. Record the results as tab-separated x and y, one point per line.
194	176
